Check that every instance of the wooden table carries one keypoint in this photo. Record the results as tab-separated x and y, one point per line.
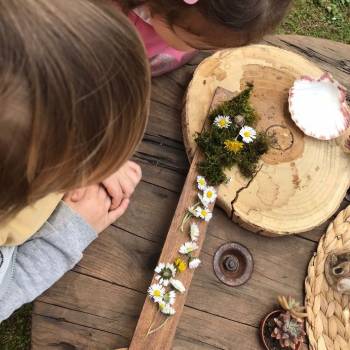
97	304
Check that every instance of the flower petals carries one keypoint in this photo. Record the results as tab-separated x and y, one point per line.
156	292
178	285
203	213
222	121
201	183
188	248
248	134
194	263
194	232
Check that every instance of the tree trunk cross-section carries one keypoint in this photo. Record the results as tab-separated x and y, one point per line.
301	181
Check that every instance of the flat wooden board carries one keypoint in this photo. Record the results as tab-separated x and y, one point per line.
301	181
153	329
96	306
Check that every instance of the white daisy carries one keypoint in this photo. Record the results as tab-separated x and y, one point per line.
222	121
201	183
188	247
165	273
178	285
209	196
194	263
156	292
248	134
169	297
194	232
166	309
204	213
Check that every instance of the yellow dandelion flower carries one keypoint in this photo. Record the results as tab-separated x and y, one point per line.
233	145
181	265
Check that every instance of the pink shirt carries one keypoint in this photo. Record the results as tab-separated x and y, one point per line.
162	57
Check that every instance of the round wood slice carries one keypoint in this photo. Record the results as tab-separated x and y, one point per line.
301	181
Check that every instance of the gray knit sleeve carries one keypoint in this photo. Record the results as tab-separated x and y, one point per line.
43	259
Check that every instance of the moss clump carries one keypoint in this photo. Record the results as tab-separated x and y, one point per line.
239	105
15	332
214	141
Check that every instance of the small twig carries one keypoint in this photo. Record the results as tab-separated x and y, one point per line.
158	328
150	327
187	217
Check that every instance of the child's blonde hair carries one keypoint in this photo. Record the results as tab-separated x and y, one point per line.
74	91
244	21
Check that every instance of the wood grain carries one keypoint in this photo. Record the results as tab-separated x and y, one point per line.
284	196
99	325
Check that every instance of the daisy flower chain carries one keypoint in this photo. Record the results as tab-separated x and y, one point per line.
164	291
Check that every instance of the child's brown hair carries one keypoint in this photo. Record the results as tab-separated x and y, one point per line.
74	91
244	21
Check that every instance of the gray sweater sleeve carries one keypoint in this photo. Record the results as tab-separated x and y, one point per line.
43	259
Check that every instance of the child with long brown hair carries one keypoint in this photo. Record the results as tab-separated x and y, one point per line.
74	91
173	29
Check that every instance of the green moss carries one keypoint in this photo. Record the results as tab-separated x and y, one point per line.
239	105
15	332
212	141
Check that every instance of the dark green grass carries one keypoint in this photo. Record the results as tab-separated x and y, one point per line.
15	332
328	19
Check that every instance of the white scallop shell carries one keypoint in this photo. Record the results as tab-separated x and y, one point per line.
318	107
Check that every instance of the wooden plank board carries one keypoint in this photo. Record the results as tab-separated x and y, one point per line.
150	317
114	325
329	55
71	336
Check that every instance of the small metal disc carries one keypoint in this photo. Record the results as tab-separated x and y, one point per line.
233	264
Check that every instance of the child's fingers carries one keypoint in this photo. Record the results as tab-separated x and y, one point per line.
129	184
134	175
136	169
103	197
115	214
135	178
114	191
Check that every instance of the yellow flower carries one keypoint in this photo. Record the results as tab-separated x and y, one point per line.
180	265
233	145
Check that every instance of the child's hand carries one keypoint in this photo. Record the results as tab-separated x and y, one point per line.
94	205
122	183
119	185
